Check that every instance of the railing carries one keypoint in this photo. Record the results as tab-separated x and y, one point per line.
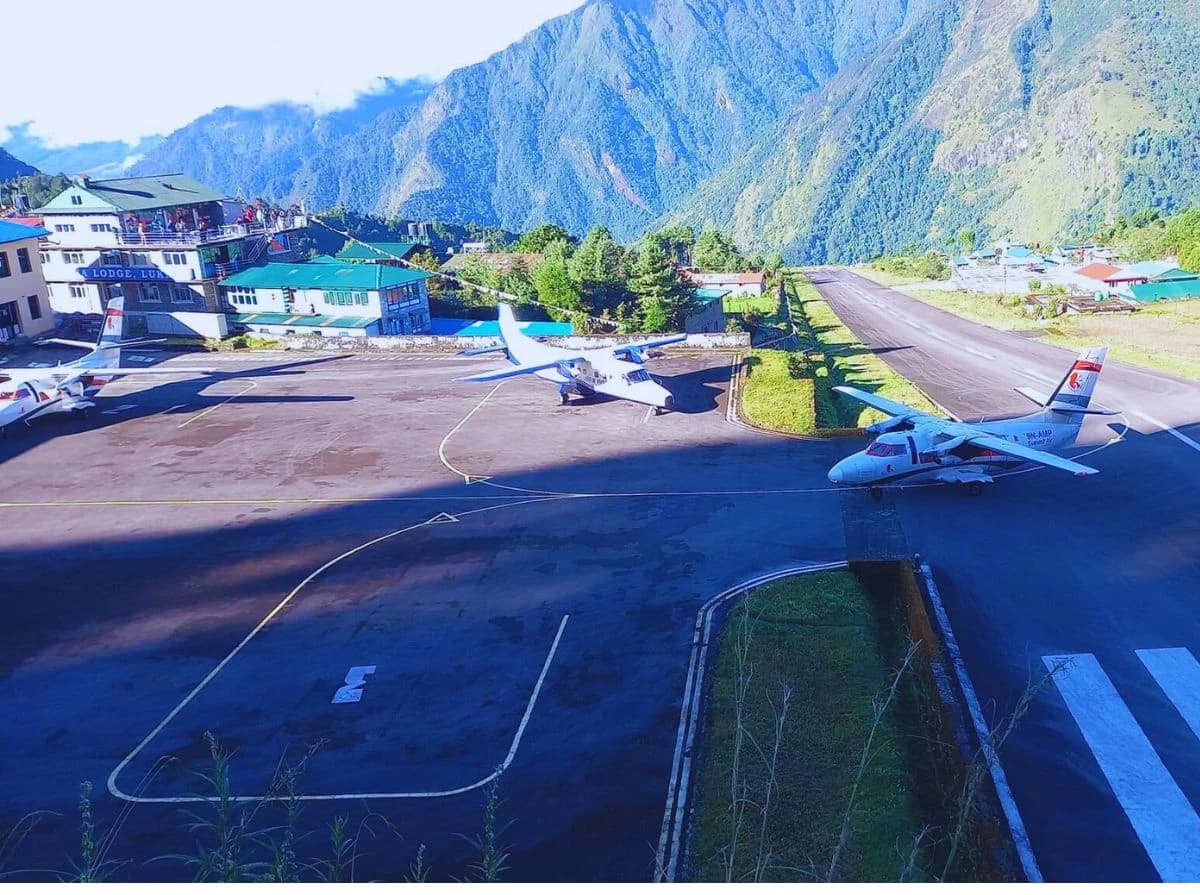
216	234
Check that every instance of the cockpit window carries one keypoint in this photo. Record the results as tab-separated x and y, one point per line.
637	376
881	449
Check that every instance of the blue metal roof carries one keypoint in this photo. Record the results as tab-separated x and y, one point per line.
13	232
453	326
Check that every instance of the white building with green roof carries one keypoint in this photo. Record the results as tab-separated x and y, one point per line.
329	298
161	242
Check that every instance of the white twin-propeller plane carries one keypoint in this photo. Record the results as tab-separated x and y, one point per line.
916	447
29	392
616	371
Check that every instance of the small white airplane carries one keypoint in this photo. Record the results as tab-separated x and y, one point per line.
615	371
28	392
916	447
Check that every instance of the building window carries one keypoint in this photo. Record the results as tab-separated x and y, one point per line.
139	259
360	298
73	257
64	228
4	271
176	258
45	256
241	296
78	292
76	200
23	261
182	295
35	307
150	293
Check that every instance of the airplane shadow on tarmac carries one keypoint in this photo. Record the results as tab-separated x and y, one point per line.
184	396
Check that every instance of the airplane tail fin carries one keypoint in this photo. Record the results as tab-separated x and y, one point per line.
113	326
509	328
1074	391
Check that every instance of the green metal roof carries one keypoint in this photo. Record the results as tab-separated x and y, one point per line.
1168	290
1175	273
133	194
371	277
377	251
271	318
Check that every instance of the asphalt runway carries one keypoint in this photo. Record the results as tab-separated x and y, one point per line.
489	581
1104	570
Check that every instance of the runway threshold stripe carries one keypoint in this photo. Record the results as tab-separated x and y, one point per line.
1162	817
1178	673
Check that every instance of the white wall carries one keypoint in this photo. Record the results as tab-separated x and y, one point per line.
186	323
82	236
19	286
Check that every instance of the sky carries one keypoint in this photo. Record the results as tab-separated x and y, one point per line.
125	69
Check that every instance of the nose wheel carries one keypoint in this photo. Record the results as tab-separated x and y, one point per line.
876	493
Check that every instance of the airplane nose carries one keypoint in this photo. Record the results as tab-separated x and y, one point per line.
837	475
669	402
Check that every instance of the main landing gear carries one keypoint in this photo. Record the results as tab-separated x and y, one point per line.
974	488
876	492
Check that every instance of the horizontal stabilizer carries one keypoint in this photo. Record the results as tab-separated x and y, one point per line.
72	343
1039	398
1092	411
518	370
487	349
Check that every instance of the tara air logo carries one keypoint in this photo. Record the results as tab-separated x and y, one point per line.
112	319
1073	382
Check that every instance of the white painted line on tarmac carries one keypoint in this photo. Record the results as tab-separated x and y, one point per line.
649	413
1178	673
117	792
671	836
1163	819
355	679
119	409
1194	445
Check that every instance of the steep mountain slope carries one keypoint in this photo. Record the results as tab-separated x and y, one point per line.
11	167
611	113
286	150
1029	118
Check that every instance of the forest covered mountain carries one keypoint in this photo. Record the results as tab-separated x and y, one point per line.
829	129
12	167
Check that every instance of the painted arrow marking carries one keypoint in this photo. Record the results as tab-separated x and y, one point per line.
356	677
441	518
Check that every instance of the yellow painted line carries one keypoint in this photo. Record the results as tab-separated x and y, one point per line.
192	419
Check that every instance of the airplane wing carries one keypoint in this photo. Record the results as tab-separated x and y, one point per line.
1012	449
652	343
78	372
891	408
518	370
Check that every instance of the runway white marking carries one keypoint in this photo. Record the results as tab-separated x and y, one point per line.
1178	673
671	836
1194	445
119	409
204	413
117	792
649	413
442	518
1163	819
356	677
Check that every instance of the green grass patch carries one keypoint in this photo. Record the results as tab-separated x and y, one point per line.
777	392
763	305
840	359
1162	336
820	636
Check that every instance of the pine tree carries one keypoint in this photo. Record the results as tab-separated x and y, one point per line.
596	271
552	279
664	298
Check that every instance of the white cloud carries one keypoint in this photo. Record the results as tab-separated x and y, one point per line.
144	67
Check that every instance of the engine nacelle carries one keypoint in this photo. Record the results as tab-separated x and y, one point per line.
891	424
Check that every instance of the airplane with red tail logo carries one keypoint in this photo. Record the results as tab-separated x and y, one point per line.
916	447
30	392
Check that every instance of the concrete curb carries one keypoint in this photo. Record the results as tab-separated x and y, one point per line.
966	691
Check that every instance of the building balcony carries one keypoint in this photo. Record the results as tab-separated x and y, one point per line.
196	238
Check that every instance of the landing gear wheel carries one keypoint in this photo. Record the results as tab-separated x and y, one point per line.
876	493
563	399
974	488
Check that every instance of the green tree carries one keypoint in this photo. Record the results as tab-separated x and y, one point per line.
677	241
537	239
715	251
427	260
552	279
665	299
1189	256
966	239
596	271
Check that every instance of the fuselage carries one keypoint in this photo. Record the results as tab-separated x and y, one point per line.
591	372
906	456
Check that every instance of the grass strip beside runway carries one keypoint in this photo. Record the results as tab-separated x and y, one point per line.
819	636
1162	336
